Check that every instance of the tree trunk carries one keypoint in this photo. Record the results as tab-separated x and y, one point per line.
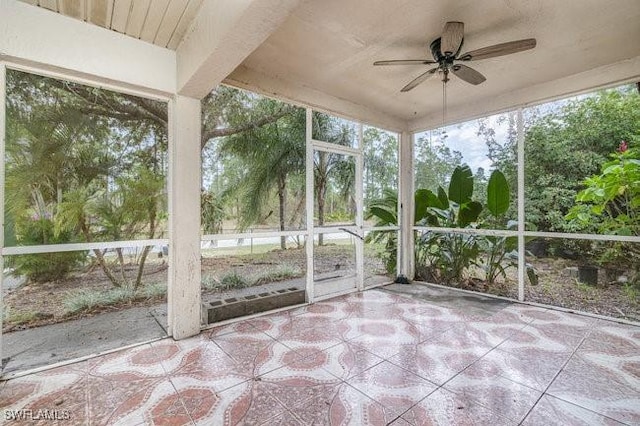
99	256
298	210
322	189
282	188
145	251
123	275
106	269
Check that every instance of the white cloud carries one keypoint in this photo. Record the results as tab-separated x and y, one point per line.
463	138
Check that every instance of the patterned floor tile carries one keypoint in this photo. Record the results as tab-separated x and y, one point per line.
151	401
249	403
496	330
360	359
383	348
566	325
437	364
604	366
391	386
272	325
432	321
614	339
529	313
313	339
447	408
535	368
342	405
139	363
532	337
501	395
553	411
348	359
207	363
250	351
236	327
400	422
61	390
609	398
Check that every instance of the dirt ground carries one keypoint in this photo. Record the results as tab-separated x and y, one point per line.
557	286
37	304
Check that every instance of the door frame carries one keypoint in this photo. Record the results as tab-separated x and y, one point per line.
340	285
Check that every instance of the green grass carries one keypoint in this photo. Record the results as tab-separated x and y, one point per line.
18	318
227	282
280	273
234	280
586	288
85	300
631	291
153	290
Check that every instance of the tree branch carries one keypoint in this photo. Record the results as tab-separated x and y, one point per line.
208	134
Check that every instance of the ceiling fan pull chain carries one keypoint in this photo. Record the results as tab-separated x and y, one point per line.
444	103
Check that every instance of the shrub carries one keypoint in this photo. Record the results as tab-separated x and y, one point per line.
234	280
227	282
45	266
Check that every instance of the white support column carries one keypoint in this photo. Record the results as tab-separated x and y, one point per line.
3	128
184	217
309	203
359	193
522	264
405	207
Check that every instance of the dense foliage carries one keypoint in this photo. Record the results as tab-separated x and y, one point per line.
610	204
564	147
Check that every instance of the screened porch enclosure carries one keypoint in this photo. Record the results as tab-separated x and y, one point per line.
170	171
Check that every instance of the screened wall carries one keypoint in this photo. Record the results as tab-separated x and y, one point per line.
85	219
540	204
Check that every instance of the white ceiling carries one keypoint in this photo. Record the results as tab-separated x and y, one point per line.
161	22
322	54
329	46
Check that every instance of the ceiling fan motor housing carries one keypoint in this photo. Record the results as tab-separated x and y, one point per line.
440	57
449	61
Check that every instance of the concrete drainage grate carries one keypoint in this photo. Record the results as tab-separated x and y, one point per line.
234	307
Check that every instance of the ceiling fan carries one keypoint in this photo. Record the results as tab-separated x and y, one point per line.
446	54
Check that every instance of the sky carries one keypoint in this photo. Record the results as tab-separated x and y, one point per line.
463	138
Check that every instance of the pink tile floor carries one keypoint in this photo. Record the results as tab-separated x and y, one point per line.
371	358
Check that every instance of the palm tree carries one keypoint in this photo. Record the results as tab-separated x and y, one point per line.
270	154
333	130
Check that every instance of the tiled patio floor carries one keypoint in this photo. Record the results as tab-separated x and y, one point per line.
369	358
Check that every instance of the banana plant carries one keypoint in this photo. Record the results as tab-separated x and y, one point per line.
446	256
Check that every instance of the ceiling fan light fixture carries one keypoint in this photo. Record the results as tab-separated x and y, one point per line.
446	52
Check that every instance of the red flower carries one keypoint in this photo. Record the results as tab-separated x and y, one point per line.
623	146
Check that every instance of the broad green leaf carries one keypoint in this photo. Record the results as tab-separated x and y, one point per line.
469	213
385	216
442	196
424	199
461	185
624	231
498	196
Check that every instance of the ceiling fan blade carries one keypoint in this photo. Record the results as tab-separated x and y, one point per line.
499	50
468	74
419	79
452	38
406	62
